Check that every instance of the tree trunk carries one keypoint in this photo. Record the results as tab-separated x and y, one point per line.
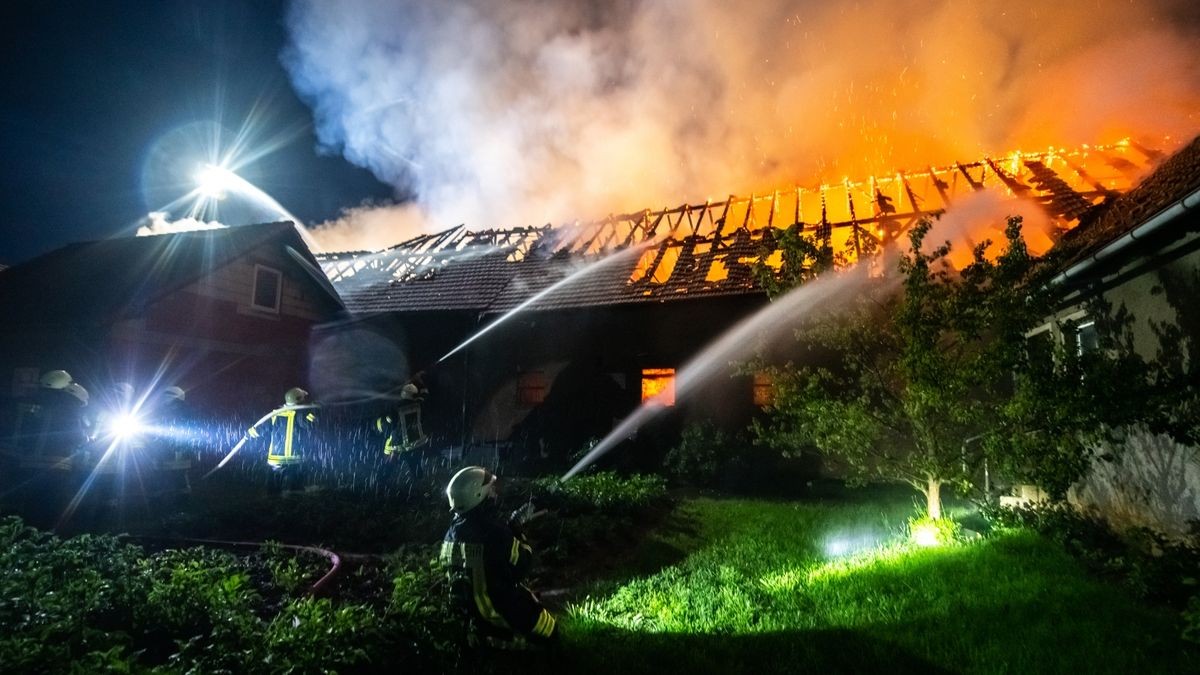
933	497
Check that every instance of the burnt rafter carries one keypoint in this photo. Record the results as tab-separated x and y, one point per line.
712	247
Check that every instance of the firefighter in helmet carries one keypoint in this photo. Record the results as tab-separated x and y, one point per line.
289	429
50	424
176	418
401	428
486	560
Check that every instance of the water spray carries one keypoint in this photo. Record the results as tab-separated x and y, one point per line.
782	312
562	283
215	182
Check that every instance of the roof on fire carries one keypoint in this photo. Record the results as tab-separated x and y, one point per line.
1173	179
697	251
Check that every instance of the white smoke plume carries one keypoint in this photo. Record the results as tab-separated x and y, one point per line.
370	227
159	222
531	111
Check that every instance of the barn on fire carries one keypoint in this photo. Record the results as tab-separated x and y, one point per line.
226	314
593	340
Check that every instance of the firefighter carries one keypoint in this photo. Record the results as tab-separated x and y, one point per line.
49	426
486	560
175	419
402	430
286	445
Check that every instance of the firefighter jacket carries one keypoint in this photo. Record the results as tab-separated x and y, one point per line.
48	424
284	427
485	562
401	429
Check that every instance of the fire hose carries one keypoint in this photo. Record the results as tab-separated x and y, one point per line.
316	588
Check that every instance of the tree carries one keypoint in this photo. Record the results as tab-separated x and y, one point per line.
923	376
902	384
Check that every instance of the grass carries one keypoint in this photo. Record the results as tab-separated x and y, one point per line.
753	586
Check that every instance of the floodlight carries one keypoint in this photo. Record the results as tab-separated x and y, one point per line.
215	181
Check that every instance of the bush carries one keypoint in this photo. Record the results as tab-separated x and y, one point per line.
604	491
1191	620
62	599
93	603
192	590
702	456
287	573
928	531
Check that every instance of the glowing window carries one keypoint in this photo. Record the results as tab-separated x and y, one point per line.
531	388
764	389
659	384
267	285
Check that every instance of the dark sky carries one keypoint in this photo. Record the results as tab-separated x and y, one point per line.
90	88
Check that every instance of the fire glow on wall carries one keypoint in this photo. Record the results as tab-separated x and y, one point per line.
658	384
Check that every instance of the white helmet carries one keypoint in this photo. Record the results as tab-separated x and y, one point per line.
174	393
75	389
469	487
56	379
295	396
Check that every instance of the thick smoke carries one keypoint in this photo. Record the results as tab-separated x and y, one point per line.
533	111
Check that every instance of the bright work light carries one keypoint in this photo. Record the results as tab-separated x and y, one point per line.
926	534
215	181
127	425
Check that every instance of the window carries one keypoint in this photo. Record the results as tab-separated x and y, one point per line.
764	389
267	285
1086	338
658	384
532	387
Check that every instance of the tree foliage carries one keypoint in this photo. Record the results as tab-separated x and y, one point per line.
926	373
904	378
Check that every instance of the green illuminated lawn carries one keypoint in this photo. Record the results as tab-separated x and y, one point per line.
752	588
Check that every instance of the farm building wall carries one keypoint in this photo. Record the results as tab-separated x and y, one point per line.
543	383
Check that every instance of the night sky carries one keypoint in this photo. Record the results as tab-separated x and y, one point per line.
90	88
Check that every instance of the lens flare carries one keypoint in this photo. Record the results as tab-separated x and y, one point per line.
215	182
127	425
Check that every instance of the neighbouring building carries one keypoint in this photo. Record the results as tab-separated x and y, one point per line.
1140	256
226	314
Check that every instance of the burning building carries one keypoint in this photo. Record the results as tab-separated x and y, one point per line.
586	321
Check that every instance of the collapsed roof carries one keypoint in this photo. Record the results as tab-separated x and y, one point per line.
705	250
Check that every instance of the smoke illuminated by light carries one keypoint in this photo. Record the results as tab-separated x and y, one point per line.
557	111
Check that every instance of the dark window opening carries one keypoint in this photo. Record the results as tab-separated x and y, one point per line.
267	284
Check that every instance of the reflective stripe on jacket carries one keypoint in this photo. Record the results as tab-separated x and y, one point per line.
283	449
